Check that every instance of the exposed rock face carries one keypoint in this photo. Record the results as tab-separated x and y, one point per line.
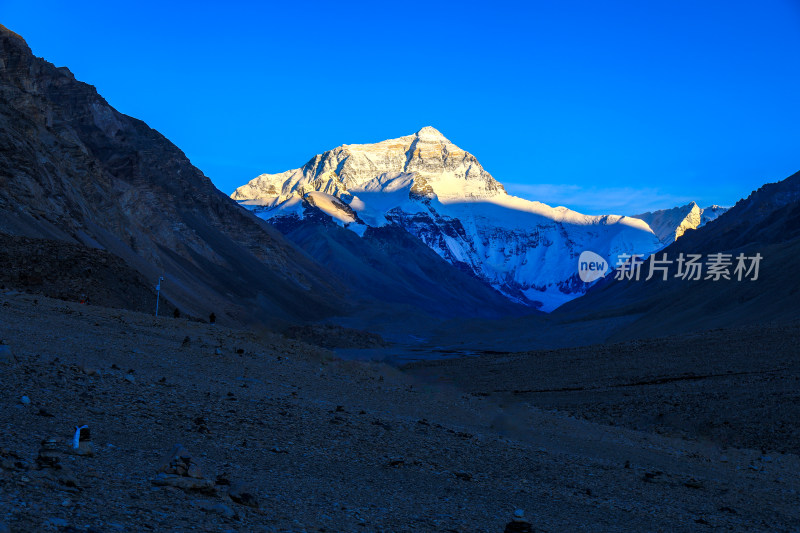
671	224
73	168
769	215
441	168
73	272
392	271
439	193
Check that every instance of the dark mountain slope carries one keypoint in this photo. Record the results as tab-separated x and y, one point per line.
74	272
769	215
767	222
391	266
72	168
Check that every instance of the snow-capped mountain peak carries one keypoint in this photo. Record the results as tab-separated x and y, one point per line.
671	224
447	171
428	186
429	133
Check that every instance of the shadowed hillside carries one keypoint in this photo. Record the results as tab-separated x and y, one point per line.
766	223
72	168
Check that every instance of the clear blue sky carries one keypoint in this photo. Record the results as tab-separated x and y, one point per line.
600	106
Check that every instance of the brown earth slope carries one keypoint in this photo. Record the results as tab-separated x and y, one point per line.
73	168
327	445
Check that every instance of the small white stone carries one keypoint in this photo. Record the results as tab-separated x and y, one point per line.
25	400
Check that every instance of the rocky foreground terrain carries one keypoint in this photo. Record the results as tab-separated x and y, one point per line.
725	387
277	435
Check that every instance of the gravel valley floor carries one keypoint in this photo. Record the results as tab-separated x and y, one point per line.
284	437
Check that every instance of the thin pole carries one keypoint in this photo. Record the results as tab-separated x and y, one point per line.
158	292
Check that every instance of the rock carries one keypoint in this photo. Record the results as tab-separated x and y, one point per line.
130	378
217	351
215	507
180	470
187	484
243	494
518	523
84	449
518	526
651	476
6	355
463	476
49	453
10	460
395	462
49	460
65	476
25	400
179	459
194	471
57	522
692	483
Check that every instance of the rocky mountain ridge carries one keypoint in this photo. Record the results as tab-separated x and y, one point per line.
74	169
671	224
441	168
441	194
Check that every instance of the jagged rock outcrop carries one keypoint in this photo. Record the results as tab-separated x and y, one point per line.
439	165
671	224
72	168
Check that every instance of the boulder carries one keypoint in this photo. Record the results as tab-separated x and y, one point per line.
243	494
